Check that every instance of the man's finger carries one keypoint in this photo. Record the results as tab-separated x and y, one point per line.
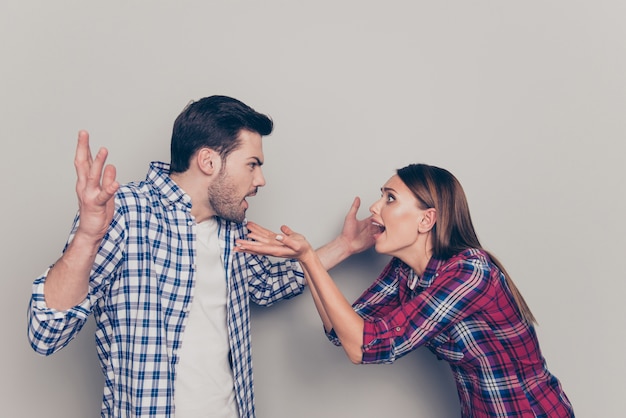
82	158
95	171
109	185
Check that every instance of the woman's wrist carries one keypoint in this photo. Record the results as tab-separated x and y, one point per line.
334	252
308	257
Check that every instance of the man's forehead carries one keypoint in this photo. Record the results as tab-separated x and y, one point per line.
250	146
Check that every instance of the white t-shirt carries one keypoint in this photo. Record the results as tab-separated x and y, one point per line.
204	381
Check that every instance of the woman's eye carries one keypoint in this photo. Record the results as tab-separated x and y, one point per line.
390	198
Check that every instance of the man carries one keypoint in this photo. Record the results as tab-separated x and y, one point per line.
154	262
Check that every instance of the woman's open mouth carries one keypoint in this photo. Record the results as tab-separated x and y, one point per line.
379	227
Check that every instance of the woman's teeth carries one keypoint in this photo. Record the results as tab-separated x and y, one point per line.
380	227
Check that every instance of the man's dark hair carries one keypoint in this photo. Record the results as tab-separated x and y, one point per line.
213	122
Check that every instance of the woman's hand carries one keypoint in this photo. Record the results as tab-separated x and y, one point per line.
358	235
262	241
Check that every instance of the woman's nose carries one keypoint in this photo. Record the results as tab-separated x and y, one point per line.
374	207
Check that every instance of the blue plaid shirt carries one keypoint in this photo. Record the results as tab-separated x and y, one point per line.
140	293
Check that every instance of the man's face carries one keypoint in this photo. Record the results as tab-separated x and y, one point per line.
240	177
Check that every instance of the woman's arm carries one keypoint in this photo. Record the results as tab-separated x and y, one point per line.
348	325
328	325
356	236
333	308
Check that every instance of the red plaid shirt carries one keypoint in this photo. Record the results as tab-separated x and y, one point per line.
463	311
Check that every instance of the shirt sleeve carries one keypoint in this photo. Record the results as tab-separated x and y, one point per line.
269	282
382	296
49	330
459	289
378	300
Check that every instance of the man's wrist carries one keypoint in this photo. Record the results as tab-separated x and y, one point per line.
88	243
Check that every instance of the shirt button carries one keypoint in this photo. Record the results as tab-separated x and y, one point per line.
398	329
190	223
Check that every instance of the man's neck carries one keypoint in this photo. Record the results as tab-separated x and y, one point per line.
200	208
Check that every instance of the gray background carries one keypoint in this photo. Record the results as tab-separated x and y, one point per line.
523	101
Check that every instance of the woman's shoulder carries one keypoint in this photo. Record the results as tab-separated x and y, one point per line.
467	259
470	254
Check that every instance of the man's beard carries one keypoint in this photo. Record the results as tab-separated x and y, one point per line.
223	199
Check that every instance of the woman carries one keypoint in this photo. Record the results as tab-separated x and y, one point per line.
442	290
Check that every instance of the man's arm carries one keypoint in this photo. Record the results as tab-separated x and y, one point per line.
67	281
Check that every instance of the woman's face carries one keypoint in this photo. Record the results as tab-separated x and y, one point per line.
397	215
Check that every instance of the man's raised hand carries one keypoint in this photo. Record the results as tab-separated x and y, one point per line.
95	188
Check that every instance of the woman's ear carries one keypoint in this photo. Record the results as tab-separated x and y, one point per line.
427	221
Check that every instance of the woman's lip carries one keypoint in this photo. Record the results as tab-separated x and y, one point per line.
379	227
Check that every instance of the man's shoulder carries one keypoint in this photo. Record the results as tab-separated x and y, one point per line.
132	188
152	187
137	193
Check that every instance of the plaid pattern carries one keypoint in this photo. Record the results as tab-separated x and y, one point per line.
140	291
463	311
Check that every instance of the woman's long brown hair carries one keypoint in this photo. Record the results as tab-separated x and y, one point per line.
454	231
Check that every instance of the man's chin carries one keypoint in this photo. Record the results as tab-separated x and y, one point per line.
237	218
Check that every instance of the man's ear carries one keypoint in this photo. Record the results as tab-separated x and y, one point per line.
208	161
427	221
